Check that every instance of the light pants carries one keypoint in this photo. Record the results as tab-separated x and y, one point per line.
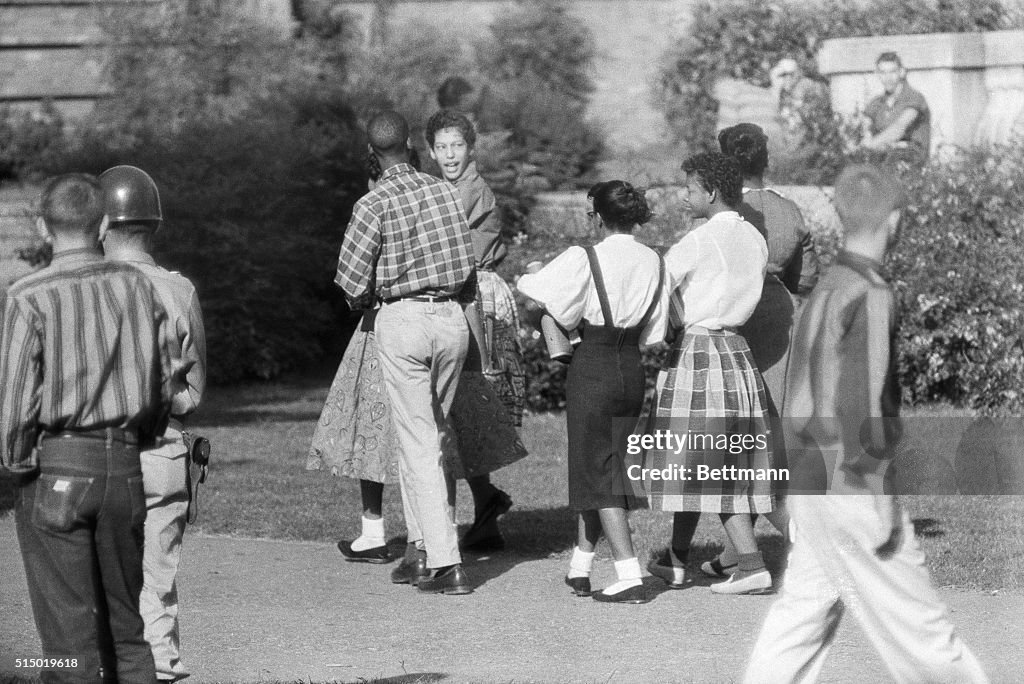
164	472
833	566
422	347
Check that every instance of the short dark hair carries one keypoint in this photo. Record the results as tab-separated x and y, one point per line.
388	132
451	92
717	172
889	57
865	195
449	118
620	205
72	203
748	145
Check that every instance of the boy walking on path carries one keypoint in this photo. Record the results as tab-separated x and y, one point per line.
853	547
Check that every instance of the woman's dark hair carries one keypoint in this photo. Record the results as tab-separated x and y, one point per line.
748	145
717	172
620	205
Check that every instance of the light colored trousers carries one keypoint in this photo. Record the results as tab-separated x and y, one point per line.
164	471
833	566
422	348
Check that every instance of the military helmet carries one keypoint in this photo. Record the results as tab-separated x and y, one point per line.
130	195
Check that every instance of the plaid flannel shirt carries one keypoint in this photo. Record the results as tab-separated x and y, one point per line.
408	236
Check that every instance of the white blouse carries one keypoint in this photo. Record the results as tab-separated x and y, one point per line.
566	290
717	272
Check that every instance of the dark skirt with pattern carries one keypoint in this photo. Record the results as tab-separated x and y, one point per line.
713	398
604	393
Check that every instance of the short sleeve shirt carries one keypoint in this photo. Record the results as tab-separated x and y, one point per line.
882	115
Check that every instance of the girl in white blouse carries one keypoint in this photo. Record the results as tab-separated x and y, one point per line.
618	294
712	396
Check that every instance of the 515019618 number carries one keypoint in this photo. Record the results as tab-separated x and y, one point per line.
46	663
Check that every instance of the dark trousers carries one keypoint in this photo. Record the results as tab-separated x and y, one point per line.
80	528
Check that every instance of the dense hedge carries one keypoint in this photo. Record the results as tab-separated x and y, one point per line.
744	38
959	275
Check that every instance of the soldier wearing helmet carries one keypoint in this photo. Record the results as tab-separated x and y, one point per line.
133	205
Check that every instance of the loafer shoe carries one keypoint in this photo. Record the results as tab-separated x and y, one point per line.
674	575
744	582
378	554
452	580
637	594
715	568
411	570
580	585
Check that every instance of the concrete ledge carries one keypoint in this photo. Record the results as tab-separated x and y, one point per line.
925	51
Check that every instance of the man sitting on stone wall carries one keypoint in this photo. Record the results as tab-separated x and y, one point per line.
899	119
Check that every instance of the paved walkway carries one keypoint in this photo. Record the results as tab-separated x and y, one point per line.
258	611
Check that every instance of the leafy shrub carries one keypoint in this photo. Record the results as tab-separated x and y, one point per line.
29	141
744	38
960	282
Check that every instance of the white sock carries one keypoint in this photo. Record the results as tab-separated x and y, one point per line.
581	563
628	572
372	536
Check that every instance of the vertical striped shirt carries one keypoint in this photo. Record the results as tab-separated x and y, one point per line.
408	236
82	347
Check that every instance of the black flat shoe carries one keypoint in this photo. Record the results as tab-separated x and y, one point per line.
452	580
496	506
378	554
411	571
637	594
580	586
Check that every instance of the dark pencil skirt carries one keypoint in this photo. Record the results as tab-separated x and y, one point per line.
604	394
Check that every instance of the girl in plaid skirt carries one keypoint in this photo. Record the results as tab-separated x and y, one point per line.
712	401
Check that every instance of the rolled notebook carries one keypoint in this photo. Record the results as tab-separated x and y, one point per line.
557	339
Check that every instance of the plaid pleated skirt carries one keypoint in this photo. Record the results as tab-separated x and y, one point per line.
711	414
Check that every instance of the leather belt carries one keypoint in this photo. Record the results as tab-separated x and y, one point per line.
102	434
421	298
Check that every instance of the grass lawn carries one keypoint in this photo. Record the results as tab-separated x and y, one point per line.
258	487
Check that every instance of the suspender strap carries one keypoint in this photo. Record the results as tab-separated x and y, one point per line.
657	296
602	293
